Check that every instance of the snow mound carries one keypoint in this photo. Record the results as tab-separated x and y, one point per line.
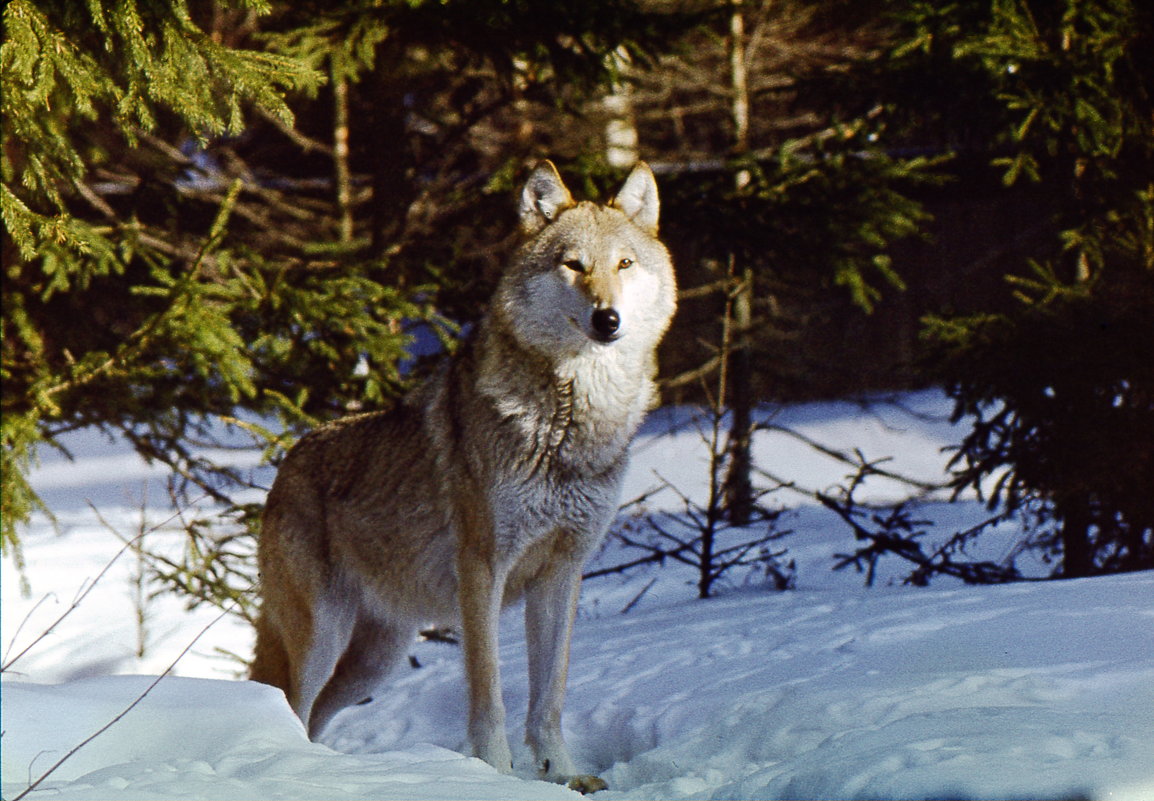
204	738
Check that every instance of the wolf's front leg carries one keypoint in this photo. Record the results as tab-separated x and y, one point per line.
550	604
480	598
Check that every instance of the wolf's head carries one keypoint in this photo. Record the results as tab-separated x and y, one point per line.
588	275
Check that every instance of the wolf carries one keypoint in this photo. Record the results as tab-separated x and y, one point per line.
491	483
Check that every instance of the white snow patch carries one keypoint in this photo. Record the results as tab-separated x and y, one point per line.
1036	689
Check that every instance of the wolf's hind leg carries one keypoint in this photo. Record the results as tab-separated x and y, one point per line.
331	627
374	651
297	646
270	662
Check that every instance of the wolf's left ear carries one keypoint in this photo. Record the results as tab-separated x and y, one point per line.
638	198
543	198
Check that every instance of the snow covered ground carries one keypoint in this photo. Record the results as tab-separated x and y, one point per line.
830	690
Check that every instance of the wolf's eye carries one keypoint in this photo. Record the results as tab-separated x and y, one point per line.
575	265
624	264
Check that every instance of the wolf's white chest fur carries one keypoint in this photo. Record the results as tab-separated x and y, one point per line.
585	417
574	441
611	392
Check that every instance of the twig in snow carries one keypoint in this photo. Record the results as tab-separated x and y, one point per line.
82	594
126	710
84	590
637	598
20	628
856	460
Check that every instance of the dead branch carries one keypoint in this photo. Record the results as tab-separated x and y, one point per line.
72	752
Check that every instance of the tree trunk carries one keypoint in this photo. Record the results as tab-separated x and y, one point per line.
739	83
341	155
621	138
1077	553
392	156
739	497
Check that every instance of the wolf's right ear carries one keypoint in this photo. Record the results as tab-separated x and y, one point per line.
543	198
638	198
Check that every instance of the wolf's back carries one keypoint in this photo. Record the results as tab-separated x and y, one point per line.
360	495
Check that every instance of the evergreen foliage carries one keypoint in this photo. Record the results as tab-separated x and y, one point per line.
229	219
1060	384
234	217
818	213
107	317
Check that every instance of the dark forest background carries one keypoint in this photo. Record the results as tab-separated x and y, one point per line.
260	215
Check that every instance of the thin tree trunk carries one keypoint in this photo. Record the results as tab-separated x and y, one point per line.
739	497
739	500
715	509
392	156
621	138
341	155
1077	558
739	84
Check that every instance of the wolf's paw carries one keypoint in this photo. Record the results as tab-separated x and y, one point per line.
587	784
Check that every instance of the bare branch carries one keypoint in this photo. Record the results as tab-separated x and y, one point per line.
72	752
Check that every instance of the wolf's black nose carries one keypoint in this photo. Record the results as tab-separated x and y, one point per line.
605	323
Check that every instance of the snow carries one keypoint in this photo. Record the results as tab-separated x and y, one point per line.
201	738
830	690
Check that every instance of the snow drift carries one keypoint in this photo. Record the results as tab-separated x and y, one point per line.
1028	690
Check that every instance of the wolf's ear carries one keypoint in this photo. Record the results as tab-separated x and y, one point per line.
638	198
543	198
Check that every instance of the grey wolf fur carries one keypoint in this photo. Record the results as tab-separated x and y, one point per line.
491	483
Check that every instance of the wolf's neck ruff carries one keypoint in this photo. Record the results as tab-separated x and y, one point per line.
576	413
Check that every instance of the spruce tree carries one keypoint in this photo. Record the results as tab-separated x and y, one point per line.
117	308
1059	382
234	215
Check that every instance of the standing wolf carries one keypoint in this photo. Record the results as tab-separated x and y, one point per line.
493	482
